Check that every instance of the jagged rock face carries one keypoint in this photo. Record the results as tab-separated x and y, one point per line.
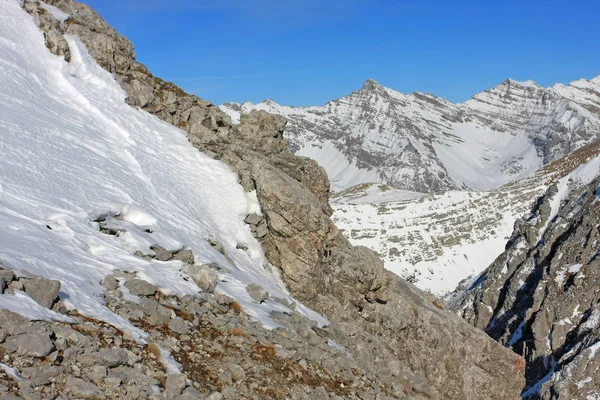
435	354
540	297
424	143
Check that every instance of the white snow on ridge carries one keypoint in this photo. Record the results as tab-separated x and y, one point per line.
73	150
481	154
342	172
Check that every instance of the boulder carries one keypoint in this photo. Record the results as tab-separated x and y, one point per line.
43	291
204	276
29	344
186	256
110	282
107	358
81	389
253	219
257	293
175	385
140	287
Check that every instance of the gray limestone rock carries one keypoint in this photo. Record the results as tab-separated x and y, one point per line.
110	282
204	276
81	389
257	293
107	358
237	372
140	287
253	219
175	385
162	254
10	321
43	291
30	344
7	275
178	325
185	255
191	394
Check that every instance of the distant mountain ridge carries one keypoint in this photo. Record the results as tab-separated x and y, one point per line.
425	143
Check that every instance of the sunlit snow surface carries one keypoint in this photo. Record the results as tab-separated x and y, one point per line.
72	150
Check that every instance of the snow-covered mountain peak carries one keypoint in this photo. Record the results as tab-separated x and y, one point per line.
424	143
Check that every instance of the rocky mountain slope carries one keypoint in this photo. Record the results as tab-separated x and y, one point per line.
540	297
437	241
424	143
164	265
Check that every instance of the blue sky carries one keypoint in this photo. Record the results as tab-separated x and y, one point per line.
306	52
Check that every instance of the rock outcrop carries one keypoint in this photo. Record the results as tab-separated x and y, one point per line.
540	297
433	353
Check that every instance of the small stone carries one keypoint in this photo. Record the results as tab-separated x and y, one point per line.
43	291
175	385
204	276
109	358
215	396
185	255
237	372
178	325
97	373
160	316
84	390
257	293
191	394
15	285
253	219
140	287
7	275
262	230
303	364
110	282
148	306
162	254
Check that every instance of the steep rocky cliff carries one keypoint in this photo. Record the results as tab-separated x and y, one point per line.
540	297
418	348
427	144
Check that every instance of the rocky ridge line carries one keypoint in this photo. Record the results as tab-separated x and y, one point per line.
394	320
411	141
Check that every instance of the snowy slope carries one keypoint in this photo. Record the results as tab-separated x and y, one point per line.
437	241
72	151
427	144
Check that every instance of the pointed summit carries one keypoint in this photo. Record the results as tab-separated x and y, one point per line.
525	84
371	85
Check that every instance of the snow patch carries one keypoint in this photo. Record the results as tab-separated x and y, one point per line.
22	304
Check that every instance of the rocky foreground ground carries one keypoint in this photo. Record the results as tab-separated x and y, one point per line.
201	347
